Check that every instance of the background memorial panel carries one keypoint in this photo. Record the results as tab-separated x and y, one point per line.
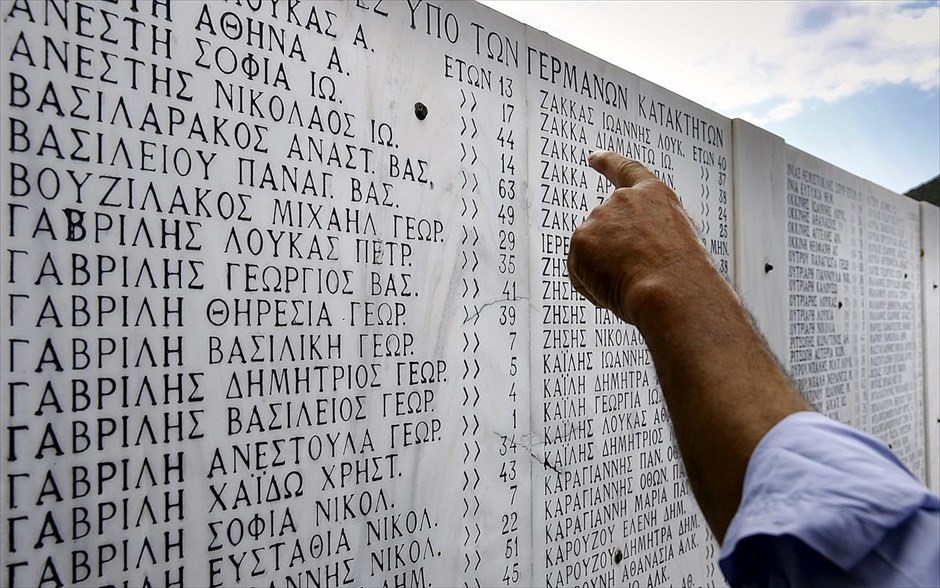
853	281
851	275
847	258
930	280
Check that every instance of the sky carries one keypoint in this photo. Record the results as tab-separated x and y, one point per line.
854	83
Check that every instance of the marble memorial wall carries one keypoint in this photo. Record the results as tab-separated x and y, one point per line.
284	300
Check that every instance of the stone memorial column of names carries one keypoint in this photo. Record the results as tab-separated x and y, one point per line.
825	237
105	208
616	508
264	284
487	99
895	374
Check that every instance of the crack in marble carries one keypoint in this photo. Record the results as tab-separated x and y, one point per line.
480	310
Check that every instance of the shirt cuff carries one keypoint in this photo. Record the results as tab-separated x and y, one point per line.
834	488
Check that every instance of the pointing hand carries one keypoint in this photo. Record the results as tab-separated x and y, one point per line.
638	245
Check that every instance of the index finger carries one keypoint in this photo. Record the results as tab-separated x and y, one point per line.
622	172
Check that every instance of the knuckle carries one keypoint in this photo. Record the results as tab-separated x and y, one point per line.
626	166
670	194
621	195
593	217
580	238
653	185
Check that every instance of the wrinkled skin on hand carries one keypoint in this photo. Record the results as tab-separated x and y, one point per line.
636	246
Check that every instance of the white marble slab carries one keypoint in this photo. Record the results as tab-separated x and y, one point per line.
760	208
895	346
930	286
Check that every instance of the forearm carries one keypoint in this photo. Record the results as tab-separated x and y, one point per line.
639	255
722	385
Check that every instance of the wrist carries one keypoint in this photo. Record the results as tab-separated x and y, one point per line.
677	297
